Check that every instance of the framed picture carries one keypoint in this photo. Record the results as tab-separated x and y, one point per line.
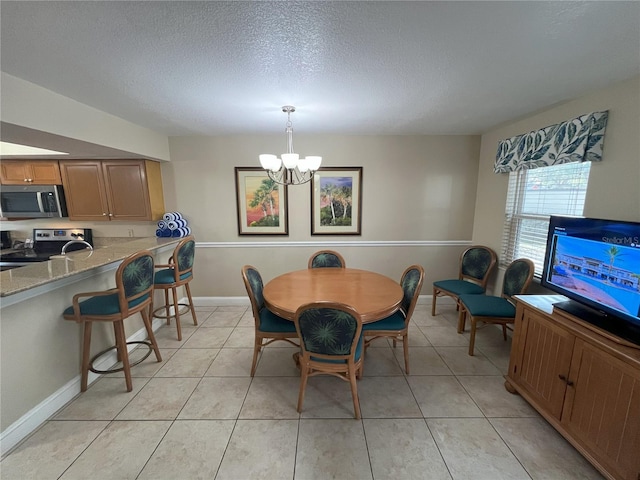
336	201
262	203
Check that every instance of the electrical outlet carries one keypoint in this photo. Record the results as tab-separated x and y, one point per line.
131	232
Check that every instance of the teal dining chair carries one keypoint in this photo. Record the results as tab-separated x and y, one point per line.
176	273
496	309
396	326
476	264
326	258
132	294
269	327
331	343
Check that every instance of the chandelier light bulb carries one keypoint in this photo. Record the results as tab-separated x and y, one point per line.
290	160
314	162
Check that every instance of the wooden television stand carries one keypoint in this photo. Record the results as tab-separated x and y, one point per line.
584	381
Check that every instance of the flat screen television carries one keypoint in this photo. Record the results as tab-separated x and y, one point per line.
596	264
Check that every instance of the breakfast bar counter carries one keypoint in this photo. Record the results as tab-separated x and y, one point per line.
42	273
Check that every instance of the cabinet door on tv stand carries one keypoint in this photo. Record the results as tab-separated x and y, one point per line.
602	408
542	362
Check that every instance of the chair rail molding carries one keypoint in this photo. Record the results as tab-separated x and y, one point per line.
337	243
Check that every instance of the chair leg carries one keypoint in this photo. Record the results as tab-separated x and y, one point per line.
354	391
166	306
472	338
462	319
504	332
86	351
257	345
115	334
405	345
191	307
304	375
433	303
146	318
176	311
121	344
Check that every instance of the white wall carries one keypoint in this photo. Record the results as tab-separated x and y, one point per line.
415	189
614	184
28	105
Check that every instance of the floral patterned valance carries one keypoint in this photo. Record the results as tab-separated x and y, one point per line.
577	140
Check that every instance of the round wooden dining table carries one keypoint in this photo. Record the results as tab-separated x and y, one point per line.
373	295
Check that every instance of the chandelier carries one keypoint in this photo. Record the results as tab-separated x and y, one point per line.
290	169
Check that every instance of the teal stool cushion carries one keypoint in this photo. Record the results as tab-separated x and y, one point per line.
103	305
392	322
270	322
488	306
167	276
459	287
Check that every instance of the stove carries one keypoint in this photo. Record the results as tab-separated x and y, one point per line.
46	242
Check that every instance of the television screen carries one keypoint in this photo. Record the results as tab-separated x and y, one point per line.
596	263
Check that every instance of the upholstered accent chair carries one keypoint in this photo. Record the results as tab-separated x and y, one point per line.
269	327
493	309
476	264
331	343
132	294
326	258
178	272
396	326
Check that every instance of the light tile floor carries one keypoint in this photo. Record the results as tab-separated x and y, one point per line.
199	414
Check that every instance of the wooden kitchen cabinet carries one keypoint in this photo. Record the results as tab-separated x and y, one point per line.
30	172
585	382
127	190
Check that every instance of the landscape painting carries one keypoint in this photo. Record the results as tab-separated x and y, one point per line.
336	201
261	202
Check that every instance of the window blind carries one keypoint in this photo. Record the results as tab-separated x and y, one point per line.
532	196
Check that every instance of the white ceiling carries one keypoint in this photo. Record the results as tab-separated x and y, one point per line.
208	68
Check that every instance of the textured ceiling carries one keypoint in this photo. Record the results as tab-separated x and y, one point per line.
207	68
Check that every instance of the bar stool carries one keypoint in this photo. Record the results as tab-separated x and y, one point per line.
133	294
176	273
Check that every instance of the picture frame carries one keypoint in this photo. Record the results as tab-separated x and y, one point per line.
262	204
336	201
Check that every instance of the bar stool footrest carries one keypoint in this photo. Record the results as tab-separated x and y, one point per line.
181	312
115	370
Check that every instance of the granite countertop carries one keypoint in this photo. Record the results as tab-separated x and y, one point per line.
40	273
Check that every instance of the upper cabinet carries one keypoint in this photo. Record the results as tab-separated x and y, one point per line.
129	190
25	172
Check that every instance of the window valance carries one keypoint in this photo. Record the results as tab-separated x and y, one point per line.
577	140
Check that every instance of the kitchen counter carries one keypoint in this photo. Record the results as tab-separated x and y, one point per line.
42	273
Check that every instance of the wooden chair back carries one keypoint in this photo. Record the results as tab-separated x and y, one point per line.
326	258
476	264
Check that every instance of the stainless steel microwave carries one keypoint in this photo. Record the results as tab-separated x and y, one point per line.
32	201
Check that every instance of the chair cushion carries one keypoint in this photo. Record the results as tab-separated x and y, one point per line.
459	287
357	357
270	322
488	306
392	322
167	276
103	305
